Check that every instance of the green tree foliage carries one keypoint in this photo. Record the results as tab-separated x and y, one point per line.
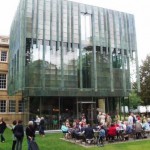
134	99
145	80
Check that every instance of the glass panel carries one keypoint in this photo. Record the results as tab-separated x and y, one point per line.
47	54
86	31
117	61
86	66
37	53
70	69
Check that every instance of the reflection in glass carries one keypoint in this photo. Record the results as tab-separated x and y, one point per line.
86	66
47	53
86	27
35	53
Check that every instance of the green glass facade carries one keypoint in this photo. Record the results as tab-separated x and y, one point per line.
61	49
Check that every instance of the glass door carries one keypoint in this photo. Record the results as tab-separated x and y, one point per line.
88	108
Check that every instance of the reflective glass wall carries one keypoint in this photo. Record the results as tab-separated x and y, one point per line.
72	47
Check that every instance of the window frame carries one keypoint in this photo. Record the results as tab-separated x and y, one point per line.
1	59
5	82
12	107
1	107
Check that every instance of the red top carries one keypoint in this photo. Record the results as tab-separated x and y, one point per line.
138	117
112	131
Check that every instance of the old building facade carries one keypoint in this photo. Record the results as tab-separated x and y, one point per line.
10	106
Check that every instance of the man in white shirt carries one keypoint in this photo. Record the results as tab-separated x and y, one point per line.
130	119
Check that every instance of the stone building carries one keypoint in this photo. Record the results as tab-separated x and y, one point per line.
10	106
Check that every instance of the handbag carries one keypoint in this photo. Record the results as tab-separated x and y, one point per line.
34	145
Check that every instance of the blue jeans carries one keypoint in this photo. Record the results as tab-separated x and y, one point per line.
29	143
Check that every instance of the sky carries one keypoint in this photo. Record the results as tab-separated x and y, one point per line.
139	8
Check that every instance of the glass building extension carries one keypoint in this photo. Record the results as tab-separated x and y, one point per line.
70	58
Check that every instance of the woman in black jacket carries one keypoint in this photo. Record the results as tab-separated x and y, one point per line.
19	134
2	129
30	133
42	127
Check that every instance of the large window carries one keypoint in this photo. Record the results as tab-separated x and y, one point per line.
3	56
3	81
86	27
2	106
12	106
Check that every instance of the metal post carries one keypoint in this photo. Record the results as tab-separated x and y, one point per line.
120	108
92	111
59	111
77	109
123	109
40	104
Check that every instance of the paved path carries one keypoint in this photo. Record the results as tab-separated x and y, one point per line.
78	142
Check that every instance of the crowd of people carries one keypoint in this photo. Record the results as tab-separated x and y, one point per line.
107	128
19	131
80	129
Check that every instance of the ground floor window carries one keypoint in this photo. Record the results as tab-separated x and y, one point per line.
2	105
12	106
57	110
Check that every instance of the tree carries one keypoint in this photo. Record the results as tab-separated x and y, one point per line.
145	80
134	99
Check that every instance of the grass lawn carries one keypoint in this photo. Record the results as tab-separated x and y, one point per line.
53	142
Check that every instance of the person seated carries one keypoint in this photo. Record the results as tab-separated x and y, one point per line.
121	130
67	124
78	132
138	129
116	124
75	123
64	129
83	119
129	130
89	133
121	126
148	120
138	117
102	134
146	128
111	132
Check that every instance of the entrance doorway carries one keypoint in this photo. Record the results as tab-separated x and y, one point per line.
88	108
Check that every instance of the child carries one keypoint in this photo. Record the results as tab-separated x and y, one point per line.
101	136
